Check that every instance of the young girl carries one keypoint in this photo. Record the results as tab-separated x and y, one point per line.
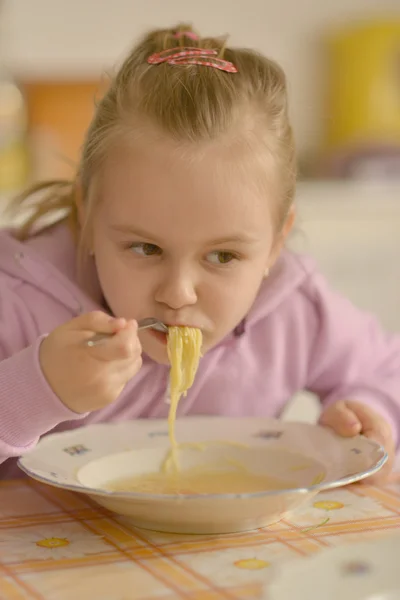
180	210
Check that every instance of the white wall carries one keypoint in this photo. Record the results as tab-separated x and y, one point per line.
352	230
70	37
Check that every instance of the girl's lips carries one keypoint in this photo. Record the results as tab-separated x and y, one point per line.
182	325
161	336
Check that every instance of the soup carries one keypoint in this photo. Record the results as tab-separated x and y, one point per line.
196	481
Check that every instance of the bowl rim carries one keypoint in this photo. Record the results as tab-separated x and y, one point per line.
323	486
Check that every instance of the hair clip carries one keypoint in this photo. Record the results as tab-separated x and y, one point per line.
205	57
173	53
216	63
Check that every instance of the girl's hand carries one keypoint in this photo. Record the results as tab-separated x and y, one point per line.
89	378
349	418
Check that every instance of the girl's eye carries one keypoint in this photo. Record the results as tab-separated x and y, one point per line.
144	249
221	257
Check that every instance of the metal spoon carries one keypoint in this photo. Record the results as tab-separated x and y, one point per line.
149	322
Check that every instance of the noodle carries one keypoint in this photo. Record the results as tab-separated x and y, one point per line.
184	353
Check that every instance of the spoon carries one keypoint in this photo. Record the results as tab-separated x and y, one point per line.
149	322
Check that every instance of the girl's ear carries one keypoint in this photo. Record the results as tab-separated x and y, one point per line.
282	236
289	223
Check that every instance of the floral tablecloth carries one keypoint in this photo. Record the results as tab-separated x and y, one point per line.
55	545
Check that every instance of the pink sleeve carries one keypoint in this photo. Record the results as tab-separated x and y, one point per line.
352	357
28	406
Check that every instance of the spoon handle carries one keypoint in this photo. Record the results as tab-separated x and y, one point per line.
98	338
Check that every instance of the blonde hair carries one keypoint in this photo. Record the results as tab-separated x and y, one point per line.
188	103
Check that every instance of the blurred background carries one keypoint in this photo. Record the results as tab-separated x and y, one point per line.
342	60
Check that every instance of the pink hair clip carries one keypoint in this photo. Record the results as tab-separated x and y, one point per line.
189	34
205	57
173	53
217	63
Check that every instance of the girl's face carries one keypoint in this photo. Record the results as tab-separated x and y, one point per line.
187	242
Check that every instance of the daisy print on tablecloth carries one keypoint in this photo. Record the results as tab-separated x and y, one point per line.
337	507
54	542
238	565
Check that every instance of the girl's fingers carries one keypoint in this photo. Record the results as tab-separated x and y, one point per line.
341	419
124	345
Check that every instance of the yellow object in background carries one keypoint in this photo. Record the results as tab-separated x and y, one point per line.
363	100
14	162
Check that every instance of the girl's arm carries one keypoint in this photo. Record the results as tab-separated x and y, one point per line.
28	406
351	357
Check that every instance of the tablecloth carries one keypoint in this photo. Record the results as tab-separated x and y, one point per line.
55	545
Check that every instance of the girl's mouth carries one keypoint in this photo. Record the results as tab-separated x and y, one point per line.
161	336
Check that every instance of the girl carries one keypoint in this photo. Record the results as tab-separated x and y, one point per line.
180	210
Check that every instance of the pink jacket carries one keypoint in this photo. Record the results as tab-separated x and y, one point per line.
298	335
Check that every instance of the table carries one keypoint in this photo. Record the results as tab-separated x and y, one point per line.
55	545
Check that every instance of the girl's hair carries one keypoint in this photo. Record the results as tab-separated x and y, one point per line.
190	103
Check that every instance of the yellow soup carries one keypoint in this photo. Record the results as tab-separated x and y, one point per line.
194	481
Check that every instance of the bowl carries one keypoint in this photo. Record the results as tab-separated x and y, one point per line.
304	458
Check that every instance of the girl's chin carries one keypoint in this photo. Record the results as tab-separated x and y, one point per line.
155	356
155	349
